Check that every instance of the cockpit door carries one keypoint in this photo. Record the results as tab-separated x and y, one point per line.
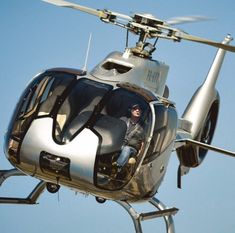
125	123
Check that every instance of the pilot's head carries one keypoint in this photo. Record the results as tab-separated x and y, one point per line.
136	111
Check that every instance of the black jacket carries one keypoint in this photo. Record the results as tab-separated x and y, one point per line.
134	134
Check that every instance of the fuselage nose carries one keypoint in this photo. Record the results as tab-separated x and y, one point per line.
41	152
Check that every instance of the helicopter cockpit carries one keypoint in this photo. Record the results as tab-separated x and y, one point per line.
66	111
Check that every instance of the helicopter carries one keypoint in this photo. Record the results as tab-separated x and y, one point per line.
55	169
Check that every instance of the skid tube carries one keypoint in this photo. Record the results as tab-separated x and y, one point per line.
163	211
31	199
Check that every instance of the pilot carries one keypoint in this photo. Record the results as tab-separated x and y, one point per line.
133	138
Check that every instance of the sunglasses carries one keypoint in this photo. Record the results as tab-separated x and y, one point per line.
136	108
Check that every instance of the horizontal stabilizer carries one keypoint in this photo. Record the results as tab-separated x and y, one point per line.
184	142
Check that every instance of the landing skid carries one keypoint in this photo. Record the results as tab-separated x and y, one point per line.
4	174
137	218
30	199
163	211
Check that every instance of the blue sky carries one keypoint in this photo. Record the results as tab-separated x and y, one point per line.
37	36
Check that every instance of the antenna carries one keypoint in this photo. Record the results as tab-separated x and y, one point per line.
87	53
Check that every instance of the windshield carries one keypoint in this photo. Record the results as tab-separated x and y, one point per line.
119	118
77	108
37	100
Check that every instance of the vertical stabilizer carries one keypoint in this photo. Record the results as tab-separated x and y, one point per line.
213	73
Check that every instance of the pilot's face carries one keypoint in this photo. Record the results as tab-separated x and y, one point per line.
136	112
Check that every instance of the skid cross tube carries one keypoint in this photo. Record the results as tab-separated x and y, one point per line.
163	211
4	174
30	200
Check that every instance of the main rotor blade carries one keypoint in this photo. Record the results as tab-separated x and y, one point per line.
88	10
170	33
186	19
185	36
99	13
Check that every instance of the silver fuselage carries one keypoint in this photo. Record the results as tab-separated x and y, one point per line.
66	131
